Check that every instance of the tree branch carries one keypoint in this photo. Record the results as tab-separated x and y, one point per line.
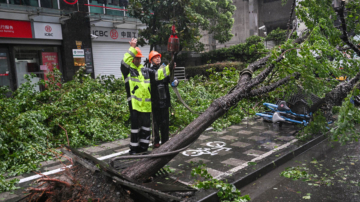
273	86
289	22
335	96
345	36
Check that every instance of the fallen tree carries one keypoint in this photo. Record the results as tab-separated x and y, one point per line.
296	60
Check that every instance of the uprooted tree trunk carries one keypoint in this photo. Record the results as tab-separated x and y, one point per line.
244	89
218	108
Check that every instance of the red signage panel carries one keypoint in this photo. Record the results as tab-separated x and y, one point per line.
50	60
15	29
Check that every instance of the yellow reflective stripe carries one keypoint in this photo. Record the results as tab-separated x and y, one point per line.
147	81
127	79
147	99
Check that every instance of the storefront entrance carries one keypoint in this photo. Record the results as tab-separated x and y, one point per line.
4	68
38	60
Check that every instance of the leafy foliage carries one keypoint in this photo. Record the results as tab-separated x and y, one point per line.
91	111
226	192
191	71
349	116
199	92
251	50
278	35
8	185
191	16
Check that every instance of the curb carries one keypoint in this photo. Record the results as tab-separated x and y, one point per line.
243	181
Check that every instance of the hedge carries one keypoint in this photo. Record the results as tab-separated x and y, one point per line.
250	51
191	71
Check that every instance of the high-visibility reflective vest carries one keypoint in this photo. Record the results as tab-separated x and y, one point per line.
139	83
162	72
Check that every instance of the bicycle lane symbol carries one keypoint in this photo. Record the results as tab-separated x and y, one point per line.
214	149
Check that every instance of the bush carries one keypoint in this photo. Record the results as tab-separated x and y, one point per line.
278	35
90	110
217	67
249	51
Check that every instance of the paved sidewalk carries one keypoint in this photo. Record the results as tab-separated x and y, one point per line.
231	150
224	152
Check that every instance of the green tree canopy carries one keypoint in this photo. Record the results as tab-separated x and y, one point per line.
190	17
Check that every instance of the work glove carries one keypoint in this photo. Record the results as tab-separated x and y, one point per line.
175	83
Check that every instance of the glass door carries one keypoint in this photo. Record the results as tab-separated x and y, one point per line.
4	68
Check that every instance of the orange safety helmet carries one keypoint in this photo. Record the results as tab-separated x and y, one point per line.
139	54
153	54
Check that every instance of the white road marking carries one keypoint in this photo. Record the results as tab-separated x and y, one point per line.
244	165
34	177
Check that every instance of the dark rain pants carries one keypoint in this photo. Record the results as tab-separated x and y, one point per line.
161	122
140	131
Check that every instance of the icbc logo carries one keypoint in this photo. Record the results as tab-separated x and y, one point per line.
48	28
114	34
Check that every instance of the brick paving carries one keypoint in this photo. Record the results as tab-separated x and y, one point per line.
220	151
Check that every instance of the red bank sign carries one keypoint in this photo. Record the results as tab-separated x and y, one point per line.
15	29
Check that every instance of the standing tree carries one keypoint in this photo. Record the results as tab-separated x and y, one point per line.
190	17
307	61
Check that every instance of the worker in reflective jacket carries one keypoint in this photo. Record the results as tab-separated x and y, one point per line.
137	84
160	97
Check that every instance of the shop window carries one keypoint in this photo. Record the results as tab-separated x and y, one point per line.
112	7
49	4
97	6
4	68
38	60
3	1
25	2
116	11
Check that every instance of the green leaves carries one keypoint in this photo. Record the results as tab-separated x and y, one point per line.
226	191
91	110
249	51
191	17
349	115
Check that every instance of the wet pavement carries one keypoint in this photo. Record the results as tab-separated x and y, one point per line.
333	170
231	150
226	154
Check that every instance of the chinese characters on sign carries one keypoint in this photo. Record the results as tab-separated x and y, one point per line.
7	28
15	29
109	34
50	61
79	58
